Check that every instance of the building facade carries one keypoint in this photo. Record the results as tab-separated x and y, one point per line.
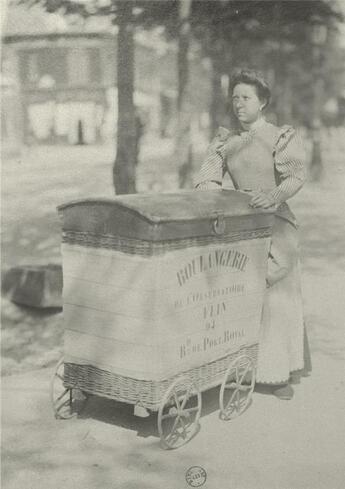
64	83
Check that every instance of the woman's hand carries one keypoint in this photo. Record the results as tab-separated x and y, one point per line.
261	199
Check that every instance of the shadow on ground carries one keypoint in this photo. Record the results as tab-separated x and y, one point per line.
122	414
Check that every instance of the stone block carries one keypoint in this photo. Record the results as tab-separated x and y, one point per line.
35	286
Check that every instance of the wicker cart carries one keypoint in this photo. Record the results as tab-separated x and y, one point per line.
162	300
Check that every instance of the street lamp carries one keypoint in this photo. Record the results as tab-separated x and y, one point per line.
318	38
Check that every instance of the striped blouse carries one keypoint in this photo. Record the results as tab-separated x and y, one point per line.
288	156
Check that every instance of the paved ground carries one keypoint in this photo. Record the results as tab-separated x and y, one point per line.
297	444
274	445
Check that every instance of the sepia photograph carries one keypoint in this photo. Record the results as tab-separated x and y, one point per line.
172	244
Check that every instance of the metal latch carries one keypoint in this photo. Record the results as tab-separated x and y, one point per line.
219	224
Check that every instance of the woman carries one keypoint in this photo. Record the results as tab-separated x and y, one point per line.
269	162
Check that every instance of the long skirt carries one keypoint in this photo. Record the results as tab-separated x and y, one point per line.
283	344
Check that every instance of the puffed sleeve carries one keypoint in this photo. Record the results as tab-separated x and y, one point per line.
213	168
290	165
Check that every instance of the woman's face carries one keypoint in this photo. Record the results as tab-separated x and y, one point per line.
246	104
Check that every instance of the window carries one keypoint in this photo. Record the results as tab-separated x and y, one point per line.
95	67
43	62
84	66
28	67
78	69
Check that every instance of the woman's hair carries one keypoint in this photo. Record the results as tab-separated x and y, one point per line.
254	78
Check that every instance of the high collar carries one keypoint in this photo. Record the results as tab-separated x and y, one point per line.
255	126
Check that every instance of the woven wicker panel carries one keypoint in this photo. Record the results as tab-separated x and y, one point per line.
148	393
149	248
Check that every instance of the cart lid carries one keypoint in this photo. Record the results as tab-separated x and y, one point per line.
165	215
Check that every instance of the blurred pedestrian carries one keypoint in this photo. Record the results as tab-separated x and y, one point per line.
269	162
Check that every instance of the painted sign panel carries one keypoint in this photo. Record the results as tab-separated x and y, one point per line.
153	317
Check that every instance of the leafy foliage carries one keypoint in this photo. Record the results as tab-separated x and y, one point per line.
273	35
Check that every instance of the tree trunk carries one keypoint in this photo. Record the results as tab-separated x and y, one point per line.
183	148
217	96
125	162
283	102
218	105
317	89
283	91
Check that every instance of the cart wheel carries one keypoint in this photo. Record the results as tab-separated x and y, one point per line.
179	413
66	401
237	387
